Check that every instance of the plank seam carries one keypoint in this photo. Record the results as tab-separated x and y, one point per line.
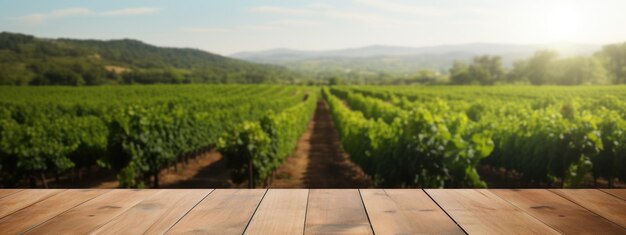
366	213
29	205
306	210
19	190
63	212
609	193
593	212
444	211
190	209
524	211
254	213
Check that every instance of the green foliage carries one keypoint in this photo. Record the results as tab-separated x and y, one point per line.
459	73
267	143
544	68
484	70
247	143
549	135
615	57
135	130
26	60
414	147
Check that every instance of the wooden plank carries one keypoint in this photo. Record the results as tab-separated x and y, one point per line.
22	199
482	212
94	213
282	211
336	211
558	212
7	192
156	214
621	193
601	203
406	211
42	211
224	211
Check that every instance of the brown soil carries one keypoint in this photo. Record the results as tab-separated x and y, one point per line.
207	170
318	161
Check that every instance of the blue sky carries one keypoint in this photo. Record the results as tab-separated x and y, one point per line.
236	25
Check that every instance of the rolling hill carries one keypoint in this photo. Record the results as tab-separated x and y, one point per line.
28	60
396	60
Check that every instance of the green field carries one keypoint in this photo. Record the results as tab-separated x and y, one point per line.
408	136
436	136
138	130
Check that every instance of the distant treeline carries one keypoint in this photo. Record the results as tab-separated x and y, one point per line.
545	67
607	66
26	60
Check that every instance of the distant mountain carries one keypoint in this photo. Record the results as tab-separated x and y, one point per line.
27	60
403	60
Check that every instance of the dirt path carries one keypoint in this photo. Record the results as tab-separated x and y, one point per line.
318	161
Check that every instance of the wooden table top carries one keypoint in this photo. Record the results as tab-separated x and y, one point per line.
313	211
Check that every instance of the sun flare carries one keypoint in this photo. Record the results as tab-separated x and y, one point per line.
563	23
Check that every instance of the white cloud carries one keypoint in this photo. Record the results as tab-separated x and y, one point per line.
203	30
403	7
322	11
283	24
319	6
37	18
261	27
360	17
296	23
282	10
131	11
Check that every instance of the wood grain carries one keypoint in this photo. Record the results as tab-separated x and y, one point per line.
46	209
315	211
224	211
482	212
336	211
621	193
558	212
282	211
93	213
22	199
601	203
156	214
406	211
7	192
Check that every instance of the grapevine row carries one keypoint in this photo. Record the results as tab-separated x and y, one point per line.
136	131
548	135
415	148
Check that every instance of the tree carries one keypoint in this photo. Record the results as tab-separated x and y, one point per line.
519	72
539	68
487	70
579	70
334	81
459	73
615	56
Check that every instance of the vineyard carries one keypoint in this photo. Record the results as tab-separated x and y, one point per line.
411	136
436	136
138	130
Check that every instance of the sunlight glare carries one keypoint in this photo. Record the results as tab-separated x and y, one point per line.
563	23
